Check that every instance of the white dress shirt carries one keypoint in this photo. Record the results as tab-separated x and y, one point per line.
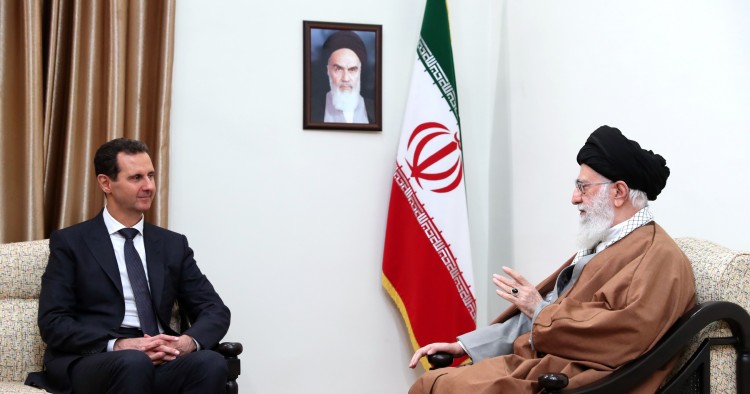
118	243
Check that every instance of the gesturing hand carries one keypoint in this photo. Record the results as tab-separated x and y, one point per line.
454	349
525	296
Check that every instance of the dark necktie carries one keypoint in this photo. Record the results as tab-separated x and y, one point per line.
139	284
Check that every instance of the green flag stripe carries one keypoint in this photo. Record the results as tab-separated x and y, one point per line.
435	37
439	77
436	34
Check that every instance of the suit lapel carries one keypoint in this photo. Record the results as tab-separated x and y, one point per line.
100	246
155	263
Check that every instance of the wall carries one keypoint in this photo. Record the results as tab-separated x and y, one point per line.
672	75
289	223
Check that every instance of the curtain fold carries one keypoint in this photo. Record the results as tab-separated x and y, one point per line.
21	141
103	71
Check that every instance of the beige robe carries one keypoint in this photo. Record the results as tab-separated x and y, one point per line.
626	298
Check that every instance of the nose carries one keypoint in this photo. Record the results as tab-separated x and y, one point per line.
577	197
149	183
345	76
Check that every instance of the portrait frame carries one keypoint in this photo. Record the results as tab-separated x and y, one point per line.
317	83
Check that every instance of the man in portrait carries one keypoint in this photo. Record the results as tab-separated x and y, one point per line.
345	58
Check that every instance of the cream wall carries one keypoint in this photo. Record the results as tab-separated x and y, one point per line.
672	75
289	223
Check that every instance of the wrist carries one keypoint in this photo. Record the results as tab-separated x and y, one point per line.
191	344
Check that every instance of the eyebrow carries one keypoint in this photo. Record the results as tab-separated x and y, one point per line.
341	66
150	173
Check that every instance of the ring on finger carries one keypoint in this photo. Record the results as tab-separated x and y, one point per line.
514	291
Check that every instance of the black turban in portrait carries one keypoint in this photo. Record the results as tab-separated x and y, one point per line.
345	39
614	156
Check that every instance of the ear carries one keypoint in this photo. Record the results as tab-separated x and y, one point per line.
104	183
622	192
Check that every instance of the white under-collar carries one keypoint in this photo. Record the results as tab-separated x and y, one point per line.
114	226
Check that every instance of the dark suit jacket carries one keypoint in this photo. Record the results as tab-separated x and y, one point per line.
81	304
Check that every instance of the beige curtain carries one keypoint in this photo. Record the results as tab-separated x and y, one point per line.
73	75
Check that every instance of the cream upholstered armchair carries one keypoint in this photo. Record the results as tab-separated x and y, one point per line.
712	340
21	347
721	274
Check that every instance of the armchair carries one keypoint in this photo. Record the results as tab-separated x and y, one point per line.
712	340
21	346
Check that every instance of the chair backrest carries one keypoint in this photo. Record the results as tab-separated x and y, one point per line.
21	347
721	274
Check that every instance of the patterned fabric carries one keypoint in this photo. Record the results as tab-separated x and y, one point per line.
18	388
21	268
21	347
640	218
720	274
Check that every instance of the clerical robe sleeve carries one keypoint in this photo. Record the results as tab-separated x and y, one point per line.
496	339
620	307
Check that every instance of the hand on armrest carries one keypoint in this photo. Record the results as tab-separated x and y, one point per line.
452	349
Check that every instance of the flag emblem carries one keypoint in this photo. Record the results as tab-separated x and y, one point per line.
445	152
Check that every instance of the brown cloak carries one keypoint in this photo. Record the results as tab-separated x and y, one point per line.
626	298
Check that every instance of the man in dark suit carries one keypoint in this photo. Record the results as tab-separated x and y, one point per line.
106	326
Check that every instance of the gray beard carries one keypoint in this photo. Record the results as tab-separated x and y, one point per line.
595	225
344	101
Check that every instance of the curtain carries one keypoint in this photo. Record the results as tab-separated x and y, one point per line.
73	75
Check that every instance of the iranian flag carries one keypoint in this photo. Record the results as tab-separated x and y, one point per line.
427	257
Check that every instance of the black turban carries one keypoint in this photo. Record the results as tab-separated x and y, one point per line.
345	39
614	156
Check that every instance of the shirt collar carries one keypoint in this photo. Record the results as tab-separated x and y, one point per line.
113	226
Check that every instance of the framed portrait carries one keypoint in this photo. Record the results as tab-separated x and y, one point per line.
342	76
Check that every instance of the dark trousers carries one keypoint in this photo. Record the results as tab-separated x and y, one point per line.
131	371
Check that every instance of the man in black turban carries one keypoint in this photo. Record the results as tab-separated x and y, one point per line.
605	306
617	158
346	57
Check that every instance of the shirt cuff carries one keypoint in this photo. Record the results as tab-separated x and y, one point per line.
462	347
111	344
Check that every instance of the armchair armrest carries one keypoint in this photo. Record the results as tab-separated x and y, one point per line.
440	360
229	349
231	352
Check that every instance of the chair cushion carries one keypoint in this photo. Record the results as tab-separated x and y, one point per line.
21	347
720	274
18	388
21	267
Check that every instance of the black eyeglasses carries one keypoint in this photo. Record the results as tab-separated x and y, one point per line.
581	186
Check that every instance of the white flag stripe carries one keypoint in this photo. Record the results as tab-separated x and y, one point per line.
426	103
